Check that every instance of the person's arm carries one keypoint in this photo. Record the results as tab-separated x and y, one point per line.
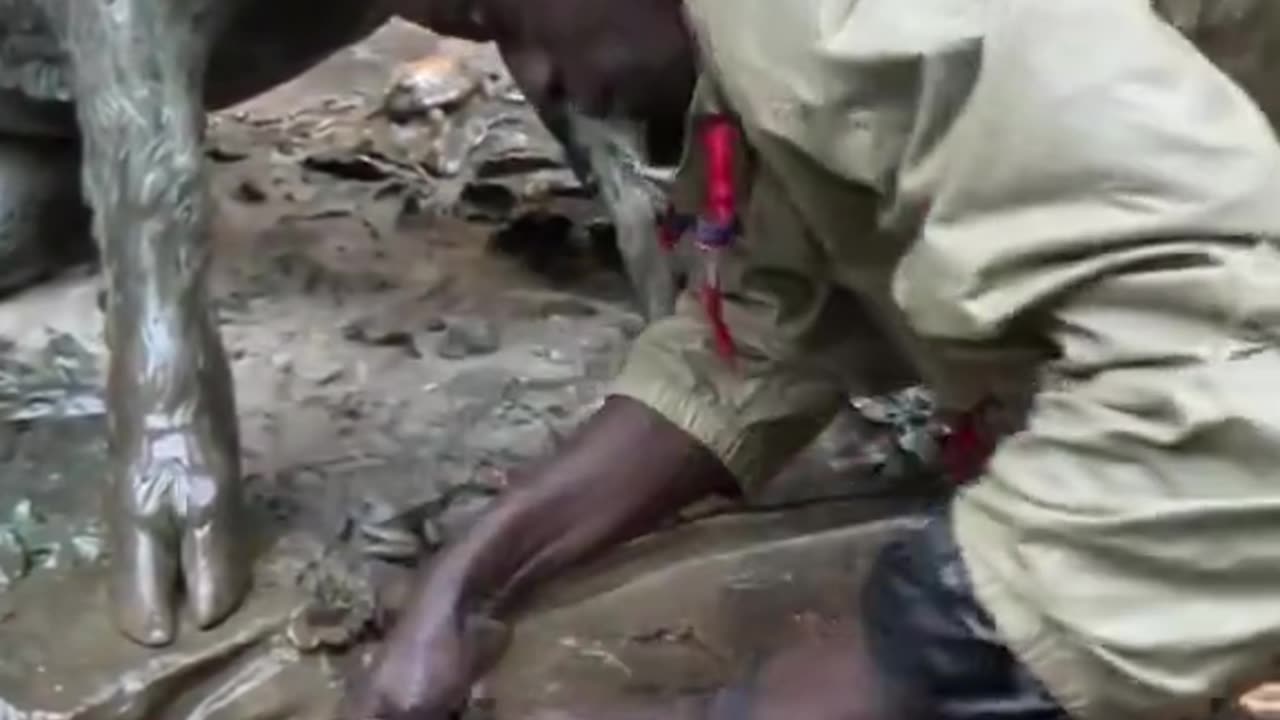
632	466
623	473
681	424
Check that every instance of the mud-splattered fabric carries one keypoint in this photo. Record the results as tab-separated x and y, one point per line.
1068	207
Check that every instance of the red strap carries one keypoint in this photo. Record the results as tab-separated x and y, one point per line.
713	303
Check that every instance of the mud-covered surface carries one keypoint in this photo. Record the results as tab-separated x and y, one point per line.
413	308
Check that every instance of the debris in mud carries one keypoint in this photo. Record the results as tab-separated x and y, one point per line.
404	532
249	191
30	541
466	337
455	144
14	558
435	84
400	534
404	323
516	151
61	381
341	608
51	541
913	436
372	331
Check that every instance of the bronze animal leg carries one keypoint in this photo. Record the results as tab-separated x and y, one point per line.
174	475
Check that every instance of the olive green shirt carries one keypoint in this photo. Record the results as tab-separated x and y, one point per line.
1064	205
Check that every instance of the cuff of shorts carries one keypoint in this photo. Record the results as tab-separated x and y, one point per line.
718	431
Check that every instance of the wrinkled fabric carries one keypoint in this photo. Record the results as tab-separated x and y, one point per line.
1064	206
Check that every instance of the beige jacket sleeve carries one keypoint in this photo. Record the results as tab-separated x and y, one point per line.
799	341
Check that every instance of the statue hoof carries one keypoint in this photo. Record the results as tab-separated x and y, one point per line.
215	570
144	578
176	524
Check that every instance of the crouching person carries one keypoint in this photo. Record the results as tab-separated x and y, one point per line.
1063	211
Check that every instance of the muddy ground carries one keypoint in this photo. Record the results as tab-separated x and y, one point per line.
412	311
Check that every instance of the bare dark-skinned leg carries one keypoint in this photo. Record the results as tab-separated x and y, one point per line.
620	476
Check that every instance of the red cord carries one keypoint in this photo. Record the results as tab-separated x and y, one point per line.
966	450
713	304
719	226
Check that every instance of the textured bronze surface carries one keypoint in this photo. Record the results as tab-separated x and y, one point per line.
137	70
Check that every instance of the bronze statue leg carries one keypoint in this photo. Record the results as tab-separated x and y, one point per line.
174	474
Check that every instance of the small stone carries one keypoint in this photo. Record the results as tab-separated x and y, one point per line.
381	332
26	515
468	337
88	549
